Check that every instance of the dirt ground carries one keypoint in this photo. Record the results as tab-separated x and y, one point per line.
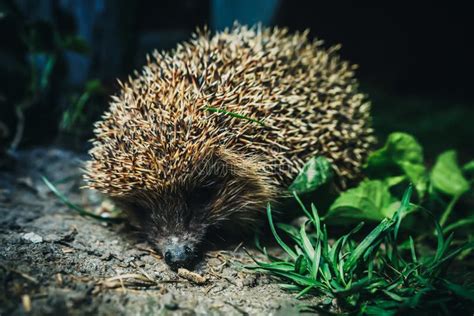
54	261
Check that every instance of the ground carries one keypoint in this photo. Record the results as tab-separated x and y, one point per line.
54	261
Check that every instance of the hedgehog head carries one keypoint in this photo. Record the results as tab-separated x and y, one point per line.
219	190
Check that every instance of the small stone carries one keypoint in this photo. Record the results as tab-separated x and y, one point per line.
106	256
32	237
52	238
169	302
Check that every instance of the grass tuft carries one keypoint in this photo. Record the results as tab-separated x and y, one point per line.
376	275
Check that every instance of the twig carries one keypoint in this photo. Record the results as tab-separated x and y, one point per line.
240	310
192	276
22	274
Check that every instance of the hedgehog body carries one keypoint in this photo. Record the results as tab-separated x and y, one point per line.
211	132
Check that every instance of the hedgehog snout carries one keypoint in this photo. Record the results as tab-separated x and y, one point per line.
180	254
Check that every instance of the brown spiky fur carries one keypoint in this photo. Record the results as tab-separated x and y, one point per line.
159	141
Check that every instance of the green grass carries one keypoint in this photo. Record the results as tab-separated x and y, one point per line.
377	274
79	209
233	114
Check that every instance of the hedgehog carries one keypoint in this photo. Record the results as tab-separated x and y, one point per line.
209	133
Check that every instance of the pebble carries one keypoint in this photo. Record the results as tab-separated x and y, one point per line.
32	237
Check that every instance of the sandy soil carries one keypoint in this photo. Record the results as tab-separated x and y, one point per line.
54	261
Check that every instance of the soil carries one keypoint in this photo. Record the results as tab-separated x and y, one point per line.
55	261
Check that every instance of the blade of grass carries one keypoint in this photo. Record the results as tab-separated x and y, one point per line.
459	290
233	114
303	207
405	204
316	220
306	243
449	209
316	261
459	223
366	243
412	250
78	209
304	291
282	244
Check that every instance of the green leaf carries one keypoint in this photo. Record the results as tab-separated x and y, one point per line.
370	200
401	155
94	86
469	168
75	44
396	180
447	176
301	265
46	74
316	172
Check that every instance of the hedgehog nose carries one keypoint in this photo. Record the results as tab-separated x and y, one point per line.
178	256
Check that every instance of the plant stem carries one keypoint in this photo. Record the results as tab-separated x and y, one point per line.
448	210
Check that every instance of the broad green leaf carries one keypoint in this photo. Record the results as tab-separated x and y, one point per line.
447	176
316	172
370	200
401	155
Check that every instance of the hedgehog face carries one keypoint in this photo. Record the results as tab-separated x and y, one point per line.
175	221
177	218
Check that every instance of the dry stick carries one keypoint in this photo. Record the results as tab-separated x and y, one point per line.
192	276
240	310
22	274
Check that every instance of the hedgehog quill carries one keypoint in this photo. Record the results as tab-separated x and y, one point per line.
179	169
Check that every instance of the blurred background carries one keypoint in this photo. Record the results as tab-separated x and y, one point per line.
59	60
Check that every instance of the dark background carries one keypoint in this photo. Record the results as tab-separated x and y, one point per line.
415	59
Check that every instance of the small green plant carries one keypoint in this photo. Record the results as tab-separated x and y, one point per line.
376	275
73	116
398	163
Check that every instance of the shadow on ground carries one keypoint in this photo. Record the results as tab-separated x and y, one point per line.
53	261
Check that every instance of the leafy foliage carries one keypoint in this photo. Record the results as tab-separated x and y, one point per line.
314	174
447	176
401	155
370	200
399	162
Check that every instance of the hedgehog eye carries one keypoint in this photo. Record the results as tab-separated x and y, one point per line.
201	196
